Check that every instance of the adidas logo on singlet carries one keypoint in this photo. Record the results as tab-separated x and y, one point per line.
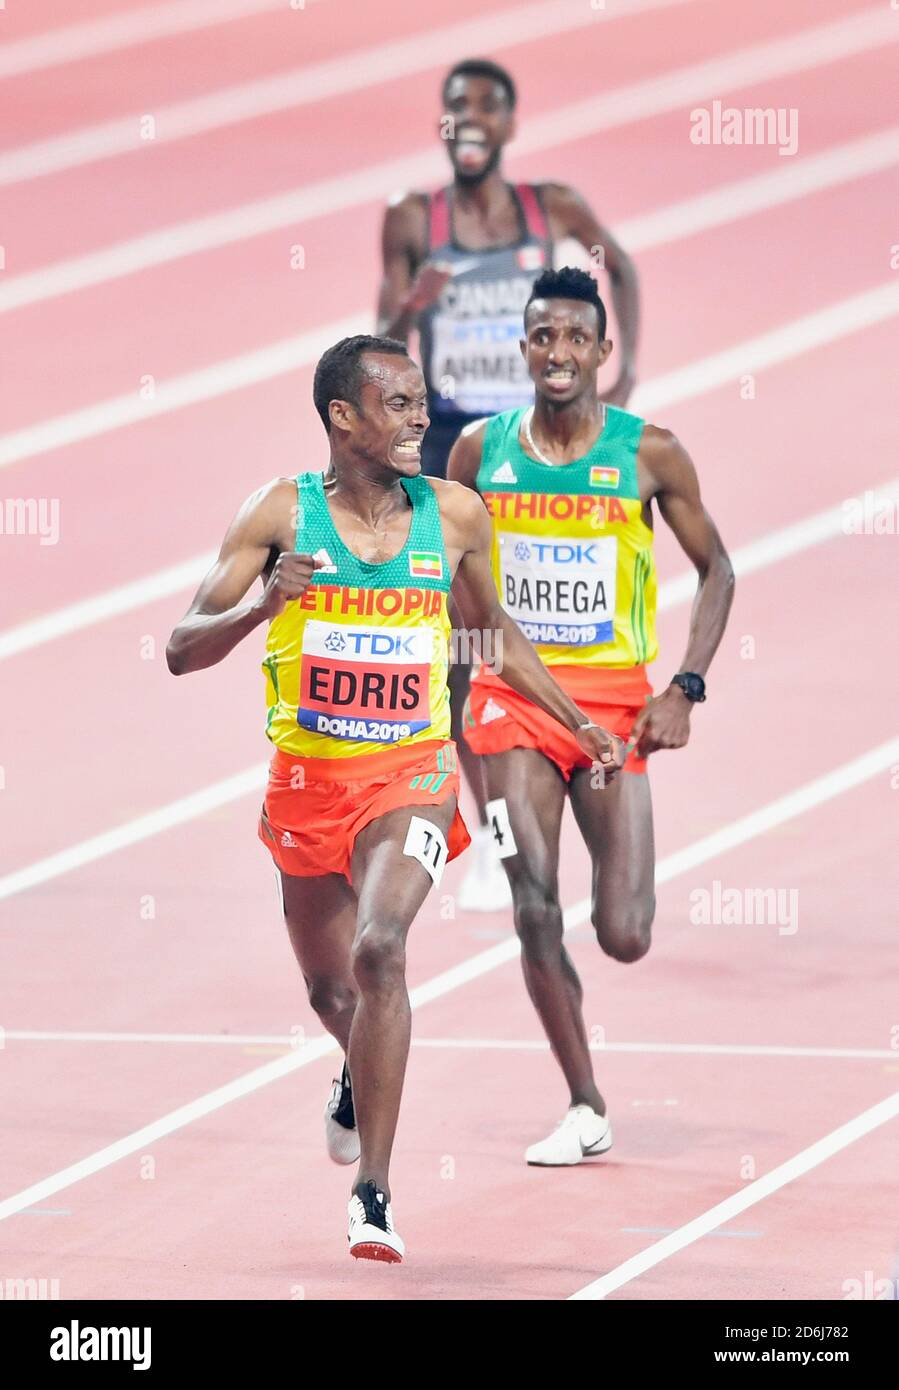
492	711
327	564
504	474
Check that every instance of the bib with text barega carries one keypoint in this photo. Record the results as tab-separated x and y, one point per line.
572	555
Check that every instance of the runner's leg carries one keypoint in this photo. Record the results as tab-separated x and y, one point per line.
459	682
616	823
320	914
535	791
391	887
439	439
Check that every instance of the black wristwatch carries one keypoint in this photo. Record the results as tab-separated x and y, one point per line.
692	685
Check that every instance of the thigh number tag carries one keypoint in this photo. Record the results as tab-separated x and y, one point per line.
497	813
425	842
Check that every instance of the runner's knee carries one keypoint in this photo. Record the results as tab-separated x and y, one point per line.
538	922
379	955
625	931
329	994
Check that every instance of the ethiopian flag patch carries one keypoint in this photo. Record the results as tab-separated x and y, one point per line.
425	564
604	477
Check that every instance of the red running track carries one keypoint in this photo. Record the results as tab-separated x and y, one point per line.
724	1054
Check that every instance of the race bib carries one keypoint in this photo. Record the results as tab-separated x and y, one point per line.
426	843
365	683
559	589
476	364
497	813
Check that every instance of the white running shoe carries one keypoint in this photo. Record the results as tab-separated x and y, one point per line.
341	1134
371	1233
581	1134
485	887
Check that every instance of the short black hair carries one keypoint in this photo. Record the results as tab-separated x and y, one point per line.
483	67
339	375
568	283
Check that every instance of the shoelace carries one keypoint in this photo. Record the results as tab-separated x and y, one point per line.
374	1205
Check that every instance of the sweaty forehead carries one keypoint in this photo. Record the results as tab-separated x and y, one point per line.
386	373
561	313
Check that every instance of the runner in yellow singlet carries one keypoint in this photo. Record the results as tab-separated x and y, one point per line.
360	814
459	263
569	485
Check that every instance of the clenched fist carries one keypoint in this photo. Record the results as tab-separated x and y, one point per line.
428	284
663	722
288	580
608	750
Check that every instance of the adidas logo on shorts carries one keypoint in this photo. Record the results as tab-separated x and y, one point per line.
492	711
504	474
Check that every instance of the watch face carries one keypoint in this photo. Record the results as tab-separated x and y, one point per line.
693	686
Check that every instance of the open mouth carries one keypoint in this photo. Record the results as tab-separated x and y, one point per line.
408	449
470	145
560	376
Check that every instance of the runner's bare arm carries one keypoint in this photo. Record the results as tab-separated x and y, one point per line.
217	619
676	488
465	455
407	285
570	215
516	661
665	721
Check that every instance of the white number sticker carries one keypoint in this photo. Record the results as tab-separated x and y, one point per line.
500	827
425	842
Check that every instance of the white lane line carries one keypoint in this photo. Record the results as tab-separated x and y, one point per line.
884	1054
789	181
770	548
76	616
167	1124
784	1173
48	1211
664	1230
186	808
785	808
214	1039
780	344
209	383
95	37
838	164
374	65
814	793
293	1040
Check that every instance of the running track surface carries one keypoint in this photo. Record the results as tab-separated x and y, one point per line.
731	1049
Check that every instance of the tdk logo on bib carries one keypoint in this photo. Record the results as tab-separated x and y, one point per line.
558	552
560	591
373	643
